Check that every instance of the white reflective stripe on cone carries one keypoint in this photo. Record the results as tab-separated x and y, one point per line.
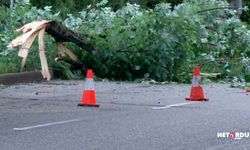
89	84
196	81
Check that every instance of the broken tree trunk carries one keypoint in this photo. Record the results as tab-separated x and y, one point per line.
59	32
63	34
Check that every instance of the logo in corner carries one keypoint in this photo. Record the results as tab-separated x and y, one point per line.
233	135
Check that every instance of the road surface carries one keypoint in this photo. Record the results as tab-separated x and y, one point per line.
132	116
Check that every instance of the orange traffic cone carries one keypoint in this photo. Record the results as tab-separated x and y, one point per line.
197	93
88	97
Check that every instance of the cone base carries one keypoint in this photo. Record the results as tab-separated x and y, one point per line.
197	94
192	99
88	105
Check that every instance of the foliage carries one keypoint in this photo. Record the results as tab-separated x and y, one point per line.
162	43
246	13
4	3
74	6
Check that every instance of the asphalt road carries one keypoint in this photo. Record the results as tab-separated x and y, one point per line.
45	116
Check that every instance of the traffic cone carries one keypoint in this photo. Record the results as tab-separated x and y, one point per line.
197	93
88	97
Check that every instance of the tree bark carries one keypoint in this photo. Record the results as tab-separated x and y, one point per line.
11	3
237	4
63	34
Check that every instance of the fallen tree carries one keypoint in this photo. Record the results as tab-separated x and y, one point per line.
132	43
55	29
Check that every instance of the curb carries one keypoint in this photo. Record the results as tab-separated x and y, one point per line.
22	77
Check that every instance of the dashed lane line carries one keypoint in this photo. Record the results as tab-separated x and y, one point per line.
46	125
173	105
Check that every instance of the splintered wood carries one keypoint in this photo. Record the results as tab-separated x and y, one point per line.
24	42
29	32
64	50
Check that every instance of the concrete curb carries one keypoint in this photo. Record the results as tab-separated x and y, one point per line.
22	77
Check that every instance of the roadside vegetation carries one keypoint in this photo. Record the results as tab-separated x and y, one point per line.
132	42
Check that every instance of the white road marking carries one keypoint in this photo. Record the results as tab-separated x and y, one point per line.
173	105
47	124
